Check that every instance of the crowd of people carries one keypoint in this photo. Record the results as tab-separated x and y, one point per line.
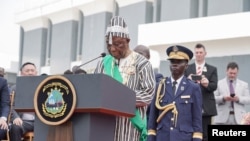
176	107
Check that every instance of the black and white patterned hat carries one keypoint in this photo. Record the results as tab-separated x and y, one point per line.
118	28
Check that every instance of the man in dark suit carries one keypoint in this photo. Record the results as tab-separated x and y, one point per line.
22	122
206	76
176	110
4	107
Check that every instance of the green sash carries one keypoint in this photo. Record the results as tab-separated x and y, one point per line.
113	71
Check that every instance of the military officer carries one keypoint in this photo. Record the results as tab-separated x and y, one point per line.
176	110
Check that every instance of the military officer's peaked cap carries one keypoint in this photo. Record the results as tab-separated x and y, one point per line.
179	52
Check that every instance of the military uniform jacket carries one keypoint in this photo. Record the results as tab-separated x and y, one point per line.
187	126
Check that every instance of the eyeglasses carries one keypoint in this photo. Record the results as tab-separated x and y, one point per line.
117	44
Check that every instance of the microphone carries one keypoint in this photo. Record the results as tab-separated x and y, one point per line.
77	67
117	62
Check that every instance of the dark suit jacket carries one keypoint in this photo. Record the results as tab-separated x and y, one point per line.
15	114
209	104
4	98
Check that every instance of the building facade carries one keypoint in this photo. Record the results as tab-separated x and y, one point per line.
58	34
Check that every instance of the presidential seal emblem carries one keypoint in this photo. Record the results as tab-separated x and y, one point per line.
55	100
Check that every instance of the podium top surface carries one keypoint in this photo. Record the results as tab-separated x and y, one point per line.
94	93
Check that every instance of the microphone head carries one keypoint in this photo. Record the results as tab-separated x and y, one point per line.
75	68
103	54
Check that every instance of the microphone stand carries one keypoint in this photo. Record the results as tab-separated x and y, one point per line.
88	61
77	67
102	55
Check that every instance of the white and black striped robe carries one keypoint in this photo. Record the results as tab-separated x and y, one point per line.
143	83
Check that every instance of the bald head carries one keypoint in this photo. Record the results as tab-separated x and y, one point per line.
143	50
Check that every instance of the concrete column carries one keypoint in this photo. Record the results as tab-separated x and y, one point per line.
97	15
33	47
63	39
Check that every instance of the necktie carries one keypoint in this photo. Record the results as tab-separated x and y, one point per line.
198	71
174	87
231	88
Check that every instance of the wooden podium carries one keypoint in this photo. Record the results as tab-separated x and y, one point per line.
99	99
